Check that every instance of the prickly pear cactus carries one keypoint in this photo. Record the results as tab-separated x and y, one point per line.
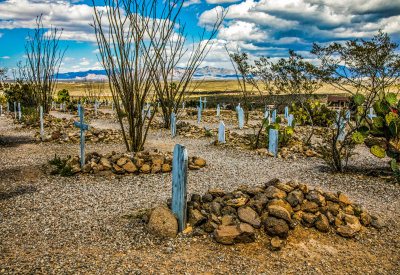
378	151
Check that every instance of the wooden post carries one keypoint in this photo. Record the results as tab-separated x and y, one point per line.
221	132
218	110
273	142
41	122
83	127
173	125
286	112
179	183
15	110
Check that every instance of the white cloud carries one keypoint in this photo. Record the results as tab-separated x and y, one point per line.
5	57
96	51
191	2
84	62
221	1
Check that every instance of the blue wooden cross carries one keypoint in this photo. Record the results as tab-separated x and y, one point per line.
371	114
183	105
173	125
273	142
83	127
221	132
218	110
179	184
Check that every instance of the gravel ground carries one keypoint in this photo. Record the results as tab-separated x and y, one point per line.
83	224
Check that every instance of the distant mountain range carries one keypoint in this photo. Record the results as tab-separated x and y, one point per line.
208	73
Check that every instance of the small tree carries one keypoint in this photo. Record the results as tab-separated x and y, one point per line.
130	38
297	77
63	95
170	87
366	70
242	69
44	57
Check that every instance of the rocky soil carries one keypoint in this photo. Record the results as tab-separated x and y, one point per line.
92	224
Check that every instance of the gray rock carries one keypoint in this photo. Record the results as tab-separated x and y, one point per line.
295	197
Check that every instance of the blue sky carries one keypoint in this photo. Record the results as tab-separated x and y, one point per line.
264	27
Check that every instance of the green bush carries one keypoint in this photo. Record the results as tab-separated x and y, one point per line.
20	92
63	96
285	134
320	114
61	167
30	115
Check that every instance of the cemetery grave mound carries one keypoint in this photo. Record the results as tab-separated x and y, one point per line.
144	162
273	210
93	135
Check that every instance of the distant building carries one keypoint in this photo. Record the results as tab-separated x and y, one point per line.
338	102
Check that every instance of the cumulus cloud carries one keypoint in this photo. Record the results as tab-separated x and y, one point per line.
221	1
191	2
4	57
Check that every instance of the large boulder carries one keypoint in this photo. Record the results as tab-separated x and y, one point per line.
162	222
276	227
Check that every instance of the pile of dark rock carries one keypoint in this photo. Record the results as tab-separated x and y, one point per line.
276	208
144	162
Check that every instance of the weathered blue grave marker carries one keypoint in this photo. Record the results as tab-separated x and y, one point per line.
15	110
173	125
81	125
240	116
273	116
221	132
8	109
273	142
19	110
371	114
348	114
290	120
183	105
218	110
198	114
41	122
286	112
179	185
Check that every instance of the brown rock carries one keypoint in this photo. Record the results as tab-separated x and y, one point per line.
346	231
193	167
138	162
309	206
248	215
276	227
209	226
279	212
282	203
274	193
284	187
200	162
55	135
226	234
333	207
365	219
315	196
145	169
129	166
86	168
348	210
294	198
227	220
304	188
122	161
308	219
195	217
162	222
217	192
331	197
158	160
353	222
343	199
276	243
106	163
247	233
156	168
322	223
166	168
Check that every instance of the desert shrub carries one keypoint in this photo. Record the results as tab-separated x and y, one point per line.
30	115
63	96
320	114
20	92
60	166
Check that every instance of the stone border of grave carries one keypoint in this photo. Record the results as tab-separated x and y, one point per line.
144	162
276	208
